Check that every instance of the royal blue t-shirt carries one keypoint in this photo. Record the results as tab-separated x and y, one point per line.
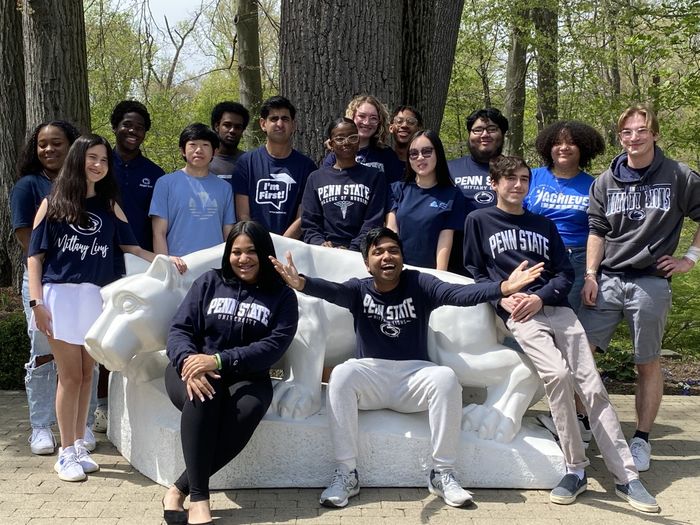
422	213
472	178
81	254
394	325
564	201
274	186
383	159
341	206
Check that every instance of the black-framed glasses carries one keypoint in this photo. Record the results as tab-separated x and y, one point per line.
490	130
350	139
426	153
411	121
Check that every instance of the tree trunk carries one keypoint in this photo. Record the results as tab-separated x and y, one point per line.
545	20
55	62
514	106
12	128
250	83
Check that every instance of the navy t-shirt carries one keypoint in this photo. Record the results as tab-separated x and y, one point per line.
341	206
383	159
81	254
26	197
394	325
421	214
496	242
473	179
274	186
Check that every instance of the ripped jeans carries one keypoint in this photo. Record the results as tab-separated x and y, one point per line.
40	381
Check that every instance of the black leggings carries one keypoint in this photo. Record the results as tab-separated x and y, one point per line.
215	431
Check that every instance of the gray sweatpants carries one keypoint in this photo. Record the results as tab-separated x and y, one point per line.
556	343
403	386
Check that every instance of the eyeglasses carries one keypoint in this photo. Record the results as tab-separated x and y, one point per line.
627	133
373	119
490	130
426	153
411	121
350	139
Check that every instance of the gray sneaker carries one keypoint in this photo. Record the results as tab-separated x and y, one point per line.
636	495
568	489
344	486
445	485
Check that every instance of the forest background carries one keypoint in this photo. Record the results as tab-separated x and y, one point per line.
538	61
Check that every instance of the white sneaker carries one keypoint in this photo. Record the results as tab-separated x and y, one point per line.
345	485
67	466
100	424
42	441
445	485
641	453
89	439
84	458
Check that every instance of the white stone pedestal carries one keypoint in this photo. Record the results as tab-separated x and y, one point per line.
394	448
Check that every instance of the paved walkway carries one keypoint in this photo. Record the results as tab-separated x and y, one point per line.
31	493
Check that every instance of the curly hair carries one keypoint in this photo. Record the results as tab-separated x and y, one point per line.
381	136
229	107
130	106
29	162
590	143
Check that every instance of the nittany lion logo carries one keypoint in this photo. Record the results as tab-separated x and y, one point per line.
390	330
94	225
483	197
636	215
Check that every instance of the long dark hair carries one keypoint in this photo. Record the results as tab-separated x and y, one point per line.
442	173
268	278
29	162
67	200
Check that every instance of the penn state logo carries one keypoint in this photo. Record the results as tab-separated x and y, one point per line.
390	330
483	197
636	215
93	225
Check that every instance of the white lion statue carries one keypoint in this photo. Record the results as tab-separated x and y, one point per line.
130	336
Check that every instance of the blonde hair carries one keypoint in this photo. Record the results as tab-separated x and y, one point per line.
645	111
380	136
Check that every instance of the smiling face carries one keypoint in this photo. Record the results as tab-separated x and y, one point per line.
485	140
345	141
130	132
96	163
244	259
51	148
403	126
421	155
511	190
566	155
366	119
385	263
638	140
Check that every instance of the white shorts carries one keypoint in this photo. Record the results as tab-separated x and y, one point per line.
73	308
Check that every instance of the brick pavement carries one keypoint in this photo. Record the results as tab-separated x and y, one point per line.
31	493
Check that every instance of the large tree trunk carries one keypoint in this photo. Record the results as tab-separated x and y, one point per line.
55	62
250	83
545	19
12	127
514	107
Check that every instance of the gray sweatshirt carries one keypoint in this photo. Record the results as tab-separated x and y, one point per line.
642	220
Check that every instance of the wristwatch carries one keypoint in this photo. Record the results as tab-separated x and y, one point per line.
35	302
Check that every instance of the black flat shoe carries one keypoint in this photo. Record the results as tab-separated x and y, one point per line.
205	523
174	517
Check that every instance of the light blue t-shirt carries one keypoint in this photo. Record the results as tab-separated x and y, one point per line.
196	208
564	201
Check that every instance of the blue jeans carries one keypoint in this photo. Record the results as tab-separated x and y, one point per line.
577	258
40	381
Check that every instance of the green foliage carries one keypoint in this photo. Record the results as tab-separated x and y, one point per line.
14	350
617	364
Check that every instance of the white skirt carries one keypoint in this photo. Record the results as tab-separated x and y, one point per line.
73	308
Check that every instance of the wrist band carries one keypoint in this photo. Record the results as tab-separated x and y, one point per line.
217	357
693	254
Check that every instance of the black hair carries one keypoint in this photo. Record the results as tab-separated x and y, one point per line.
442	172
488	114
590	143
29	162
373	237
337	122
406	107
504	165
198	131
229	107
67	201
277	102
268	278
130	106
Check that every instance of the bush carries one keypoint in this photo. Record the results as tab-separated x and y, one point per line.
617	364
14	350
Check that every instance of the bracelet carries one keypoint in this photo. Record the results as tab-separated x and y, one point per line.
591	271
693	254
217	358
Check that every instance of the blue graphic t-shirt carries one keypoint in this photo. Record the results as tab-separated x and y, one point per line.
473	179
421	215
76	253
564	201
383	159
274	186
196	208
